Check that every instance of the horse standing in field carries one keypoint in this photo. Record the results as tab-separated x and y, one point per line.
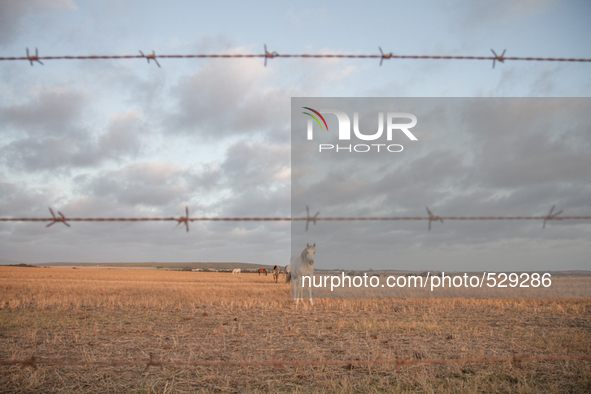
302	265
262	271
236	271
287	274
276	272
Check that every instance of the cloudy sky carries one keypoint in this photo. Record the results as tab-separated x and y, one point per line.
114	138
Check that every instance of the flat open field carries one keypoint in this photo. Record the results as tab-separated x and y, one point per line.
96	315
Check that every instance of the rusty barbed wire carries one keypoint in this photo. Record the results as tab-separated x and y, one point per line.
273	54
184	220
35	362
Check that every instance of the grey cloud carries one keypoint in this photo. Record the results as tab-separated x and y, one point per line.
61	140
256	203
252	177
151	184
123	137
217	102
547	142
405	187
12	13
16	200
256	176
424	181
207	179
34	154
53	109
254	165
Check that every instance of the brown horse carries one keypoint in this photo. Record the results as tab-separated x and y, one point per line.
287	274
262	271
276	272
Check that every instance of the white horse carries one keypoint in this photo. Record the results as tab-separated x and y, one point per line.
302	265
236	271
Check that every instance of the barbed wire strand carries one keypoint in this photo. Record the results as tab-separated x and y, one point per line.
184	220
271	55
35	362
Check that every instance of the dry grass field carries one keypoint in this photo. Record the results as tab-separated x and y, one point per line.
90	315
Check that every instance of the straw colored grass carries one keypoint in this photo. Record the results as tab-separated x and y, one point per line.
91	314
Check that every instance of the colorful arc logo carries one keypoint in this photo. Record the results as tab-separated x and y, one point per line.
315	118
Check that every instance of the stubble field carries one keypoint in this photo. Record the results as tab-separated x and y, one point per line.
133	315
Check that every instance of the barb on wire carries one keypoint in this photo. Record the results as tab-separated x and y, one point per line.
34	58
151	57
30	362
311	218
497	57
184	219
432	218
153	361
308	218
56	219
551	216
384	56
516	360
269	55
